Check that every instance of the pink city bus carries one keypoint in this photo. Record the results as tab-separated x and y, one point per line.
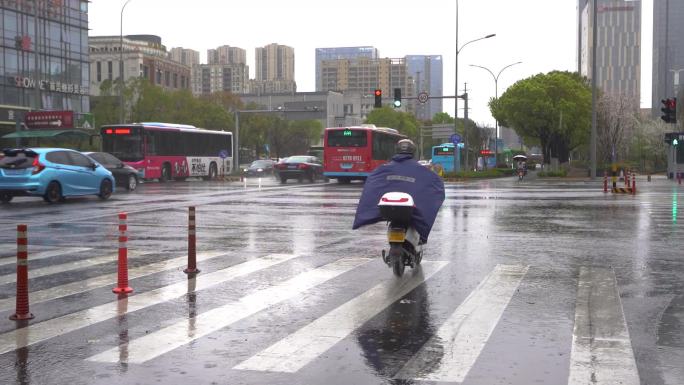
168	151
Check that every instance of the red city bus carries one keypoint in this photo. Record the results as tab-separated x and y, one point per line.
354	152
164	151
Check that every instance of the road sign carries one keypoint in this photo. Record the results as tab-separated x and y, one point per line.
223	154
50	119
455	139
423	97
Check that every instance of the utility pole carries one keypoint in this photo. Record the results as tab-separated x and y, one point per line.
465	123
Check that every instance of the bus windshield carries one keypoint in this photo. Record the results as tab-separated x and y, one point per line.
347	138
127	147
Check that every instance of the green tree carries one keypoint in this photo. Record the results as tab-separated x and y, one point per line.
551	109
442	118
403	122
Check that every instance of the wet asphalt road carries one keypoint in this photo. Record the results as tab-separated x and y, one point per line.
539	282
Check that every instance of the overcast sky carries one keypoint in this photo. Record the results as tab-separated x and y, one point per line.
540	33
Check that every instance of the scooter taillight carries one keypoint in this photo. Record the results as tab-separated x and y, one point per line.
37	166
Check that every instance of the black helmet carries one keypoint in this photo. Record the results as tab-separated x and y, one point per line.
405	146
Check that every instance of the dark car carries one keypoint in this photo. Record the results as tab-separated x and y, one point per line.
299	167
124	174
260	168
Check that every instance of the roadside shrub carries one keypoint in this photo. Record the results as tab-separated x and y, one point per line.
559	173
491	173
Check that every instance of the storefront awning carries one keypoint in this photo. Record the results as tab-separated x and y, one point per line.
45	134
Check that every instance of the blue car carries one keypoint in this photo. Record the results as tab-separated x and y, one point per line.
53	173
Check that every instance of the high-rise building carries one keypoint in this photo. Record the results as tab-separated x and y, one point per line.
44	61
363	75
226	54
618	52
668	51
426	73
186	56
337	53
274	70
143	56
210	78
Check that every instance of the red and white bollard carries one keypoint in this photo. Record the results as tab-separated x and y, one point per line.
679	177
122	284
22	309
633	184
192	239
605	181
627	178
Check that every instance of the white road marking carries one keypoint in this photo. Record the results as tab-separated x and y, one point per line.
32	256
42	331
104	280
165	340
459	341
601	348
300	348
73	265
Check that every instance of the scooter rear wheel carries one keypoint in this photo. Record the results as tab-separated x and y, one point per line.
396	258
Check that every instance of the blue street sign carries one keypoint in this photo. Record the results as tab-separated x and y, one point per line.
223	154
455	138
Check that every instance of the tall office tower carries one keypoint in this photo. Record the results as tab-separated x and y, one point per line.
363	75
426	71
226	54
275	62
618	51
340	53
274	70
186	56
210	78
668	51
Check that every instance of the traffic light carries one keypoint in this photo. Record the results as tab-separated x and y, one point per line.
669	110
397	97
378	98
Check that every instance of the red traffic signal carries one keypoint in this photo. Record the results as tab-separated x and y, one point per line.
669	110
378	98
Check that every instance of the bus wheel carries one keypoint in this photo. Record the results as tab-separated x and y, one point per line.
165	173
213	172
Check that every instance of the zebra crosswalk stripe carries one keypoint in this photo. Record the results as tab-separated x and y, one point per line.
42	331
176	335
104	280
43	254
464	334
298	349
73	265
601	348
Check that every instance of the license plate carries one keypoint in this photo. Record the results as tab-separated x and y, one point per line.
396	235
294	166
14	172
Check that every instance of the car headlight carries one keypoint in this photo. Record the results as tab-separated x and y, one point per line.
245	170
260	169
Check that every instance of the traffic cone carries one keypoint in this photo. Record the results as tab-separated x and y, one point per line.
22	308
192	249
122	284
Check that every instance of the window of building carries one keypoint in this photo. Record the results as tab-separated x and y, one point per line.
158	79
110	70
167	78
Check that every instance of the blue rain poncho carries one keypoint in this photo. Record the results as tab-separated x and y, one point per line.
403	174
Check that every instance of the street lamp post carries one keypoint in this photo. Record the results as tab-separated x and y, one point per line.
465	131
496	97
121	65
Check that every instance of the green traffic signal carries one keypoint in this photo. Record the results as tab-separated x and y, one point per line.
397	97
675	142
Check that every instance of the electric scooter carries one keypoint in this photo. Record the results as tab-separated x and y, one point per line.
405	246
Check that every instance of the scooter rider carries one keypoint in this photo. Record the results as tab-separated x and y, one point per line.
402	174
